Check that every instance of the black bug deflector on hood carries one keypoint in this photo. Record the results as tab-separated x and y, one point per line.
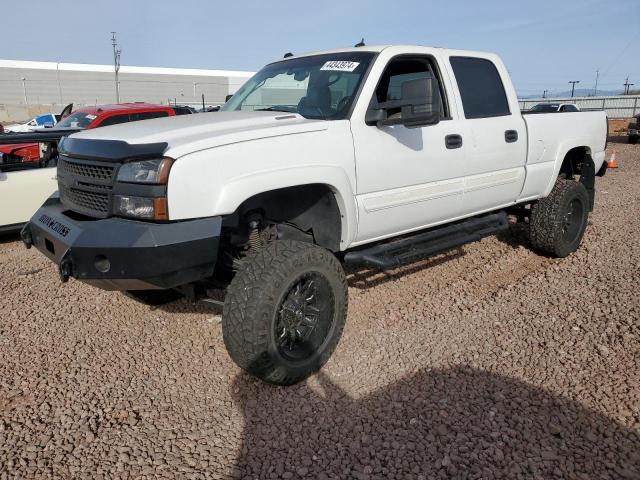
116	151
122	254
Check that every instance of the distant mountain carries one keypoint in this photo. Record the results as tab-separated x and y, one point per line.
580	92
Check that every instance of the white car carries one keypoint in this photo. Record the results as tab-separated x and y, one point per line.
375	156
22	192
46	120
554	107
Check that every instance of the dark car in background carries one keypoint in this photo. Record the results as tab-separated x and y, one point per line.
183	109
634	129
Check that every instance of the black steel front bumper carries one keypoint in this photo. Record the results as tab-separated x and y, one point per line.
122	254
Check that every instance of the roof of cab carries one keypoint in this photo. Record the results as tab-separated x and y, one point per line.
380	48
123	107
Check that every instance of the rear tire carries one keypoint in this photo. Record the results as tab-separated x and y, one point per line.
154	297
558	222
284	311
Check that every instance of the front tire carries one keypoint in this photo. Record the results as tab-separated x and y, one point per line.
284	311
558	222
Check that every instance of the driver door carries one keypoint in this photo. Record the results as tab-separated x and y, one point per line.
408	178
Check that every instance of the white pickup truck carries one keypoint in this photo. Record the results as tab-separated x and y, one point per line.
372	155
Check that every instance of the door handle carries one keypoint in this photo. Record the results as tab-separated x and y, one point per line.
511	136
453	141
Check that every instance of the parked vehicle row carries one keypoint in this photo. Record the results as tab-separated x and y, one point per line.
373	156
24	185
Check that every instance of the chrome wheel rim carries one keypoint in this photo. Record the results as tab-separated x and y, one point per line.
304	317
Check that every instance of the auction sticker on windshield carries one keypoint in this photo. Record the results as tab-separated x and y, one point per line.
340	66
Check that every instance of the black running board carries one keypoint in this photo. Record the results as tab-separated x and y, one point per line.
396	253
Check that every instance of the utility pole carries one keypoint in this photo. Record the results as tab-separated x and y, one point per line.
595	89
573	86
116	63
627	85
24	90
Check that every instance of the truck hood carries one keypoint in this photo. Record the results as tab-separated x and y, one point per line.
185	134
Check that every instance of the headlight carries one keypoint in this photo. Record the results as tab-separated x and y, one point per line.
147	171
146	208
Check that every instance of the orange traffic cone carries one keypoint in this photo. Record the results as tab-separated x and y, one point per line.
611	163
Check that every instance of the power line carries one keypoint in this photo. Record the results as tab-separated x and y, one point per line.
627	85
573	86
606	70
116	63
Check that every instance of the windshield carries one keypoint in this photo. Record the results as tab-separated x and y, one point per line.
546	107
319	86
77	120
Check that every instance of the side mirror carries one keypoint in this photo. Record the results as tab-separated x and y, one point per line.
418	106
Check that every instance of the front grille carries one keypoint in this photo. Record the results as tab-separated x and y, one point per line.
85	186
85	202
86	170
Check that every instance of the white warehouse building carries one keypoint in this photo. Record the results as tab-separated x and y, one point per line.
26	83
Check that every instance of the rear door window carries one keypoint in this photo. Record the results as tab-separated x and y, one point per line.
147	115
480	86
114	120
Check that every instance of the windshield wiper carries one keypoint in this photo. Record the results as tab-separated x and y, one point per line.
275	109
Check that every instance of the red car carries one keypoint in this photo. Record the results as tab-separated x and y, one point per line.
86	118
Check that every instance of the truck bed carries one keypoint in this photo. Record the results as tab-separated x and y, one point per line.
550	136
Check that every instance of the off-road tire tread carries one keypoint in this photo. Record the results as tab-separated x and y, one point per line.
250	301
545	223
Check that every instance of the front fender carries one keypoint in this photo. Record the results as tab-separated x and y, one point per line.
236	191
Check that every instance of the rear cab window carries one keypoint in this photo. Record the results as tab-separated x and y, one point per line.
481	88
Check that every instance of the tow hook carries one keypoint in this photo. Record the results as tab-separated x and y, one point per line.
25	235
66	267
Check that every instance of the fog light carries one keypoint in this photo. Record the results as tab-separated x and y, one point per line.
102	264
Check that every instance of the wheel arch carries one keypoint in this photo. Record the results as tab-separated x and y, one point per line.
577	160
327	203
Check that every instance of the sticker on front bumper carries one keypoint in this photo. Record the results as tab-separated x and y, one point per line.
54	225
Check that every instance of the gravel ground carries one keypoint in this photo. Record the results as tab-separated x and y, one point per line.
487	362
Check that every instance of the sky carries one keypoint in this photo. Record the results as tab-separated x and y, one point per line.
544	44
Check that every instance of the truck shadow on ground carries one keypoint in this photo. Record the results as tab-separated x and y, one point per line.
363	278
618	139
454	423
9	238
516	236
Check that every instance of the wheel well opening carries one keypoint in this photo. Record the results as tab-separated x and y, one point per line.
304	212
578	162
573	161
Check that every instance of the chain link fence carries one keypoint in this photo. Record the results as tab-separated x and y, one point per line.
622	106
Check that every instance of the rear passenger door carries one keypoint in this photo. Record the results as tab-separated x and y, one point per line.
496	138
